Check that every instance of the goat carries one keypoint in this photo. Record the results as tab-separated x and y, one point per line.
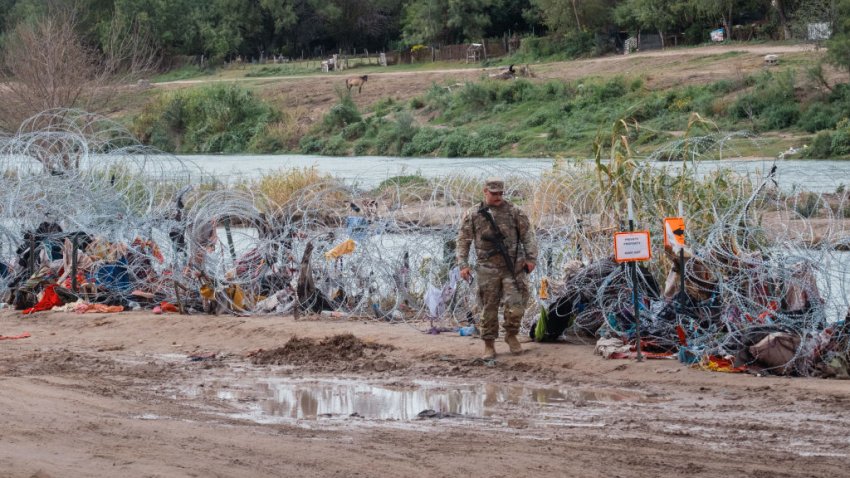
356	81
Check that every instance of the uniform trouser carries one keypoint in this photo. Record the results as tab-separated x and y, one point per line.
496	287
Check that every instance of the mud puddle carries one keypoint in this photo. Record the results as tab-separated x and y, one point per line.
323	399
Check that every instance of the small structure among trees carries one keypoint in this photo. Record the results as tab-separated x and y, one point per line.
474	52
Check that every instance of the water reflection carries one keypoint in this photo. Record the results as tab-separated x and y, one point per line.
311	400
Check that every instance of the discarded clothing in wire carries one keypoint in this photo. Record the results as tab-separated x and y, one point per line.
437	300
609	346
86	308
356	227
114	277
47	302
344	248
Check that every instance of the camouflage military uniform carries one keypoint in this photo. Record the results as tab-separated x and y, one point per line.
495	282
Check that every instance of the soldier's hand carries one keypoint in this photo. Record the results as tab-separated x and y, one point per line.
529	266
466	274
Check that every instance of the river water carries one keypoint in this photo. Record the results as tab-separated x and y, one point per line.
369	171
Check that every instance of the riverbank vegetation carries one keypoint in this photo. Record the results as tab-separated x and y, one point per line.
800	102
526	118
215	119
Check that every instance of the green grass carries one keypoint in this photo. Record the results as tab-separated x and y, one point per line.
556	118
536	117
184	73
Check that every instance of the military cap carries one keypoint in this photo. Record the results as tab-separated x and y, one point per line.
494	185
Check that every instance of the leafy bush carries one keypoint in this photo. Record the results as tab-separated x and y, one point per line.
477	95
771	101
830	144
354	131
341	115
392	137
561	47
385	106
780	116
818	116
454	145
214	119
438	97
554	90
841	142
311	145
335	146
537	119
514	91
425	142
487	141
611	89
363	147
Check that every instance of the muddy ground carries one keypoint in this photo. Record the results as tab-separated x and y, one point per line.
136	394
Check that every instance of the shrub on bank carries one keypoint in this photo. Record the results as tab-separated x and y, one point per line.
341	115
213	119
556	47
771	104
491	117
830	143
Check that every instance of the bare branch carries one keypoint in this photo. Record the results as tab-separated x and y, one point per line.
46	64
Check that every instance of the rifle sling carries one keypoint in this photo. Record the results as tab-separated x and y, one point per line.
499	241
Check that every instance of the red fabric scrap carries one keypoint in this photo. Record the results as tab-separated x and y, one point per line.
168	307
24	335
683	338
47	302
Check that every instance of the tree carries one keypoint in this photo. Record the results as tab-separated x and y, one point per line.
48	65
659	15
424	22
564	15
722	10
839	44
353	23
811	12
783	9
432	22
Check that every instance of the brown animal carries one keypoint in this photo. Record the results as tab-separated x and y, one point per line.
356	81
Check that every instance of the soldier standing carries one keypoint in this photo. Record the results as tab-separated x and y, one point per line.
507	253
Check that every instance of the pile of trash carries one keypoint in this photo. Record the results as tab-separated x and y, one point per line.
90	220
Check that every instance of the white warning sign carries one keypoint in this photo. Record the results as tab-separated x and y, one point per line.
632	246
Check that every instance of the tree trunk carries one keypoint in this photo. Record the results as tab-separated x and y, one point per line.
783	20
661	35
575	12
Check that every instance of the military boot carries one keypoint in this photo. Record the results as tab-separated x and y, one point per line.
513	344
489	349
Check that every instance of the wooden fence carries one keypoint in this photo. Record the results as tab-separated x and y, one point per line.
491	48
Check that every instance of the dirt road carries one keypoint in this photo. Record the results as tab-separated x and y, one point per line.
313	95
135	394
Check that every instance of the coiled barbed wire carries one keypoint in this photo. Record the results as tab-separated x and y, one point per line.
766	245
